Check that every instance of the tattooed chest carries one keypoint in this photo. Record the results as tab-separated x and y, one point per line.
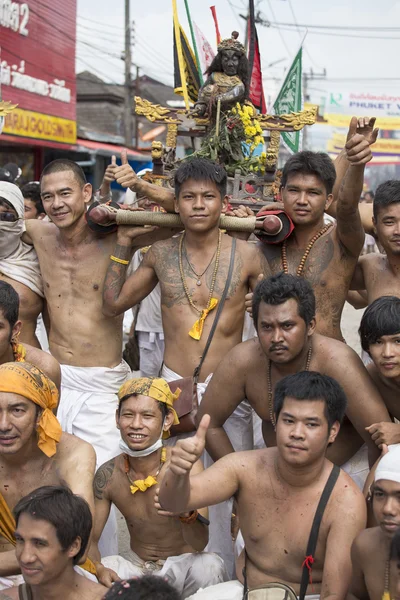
177	282
318	266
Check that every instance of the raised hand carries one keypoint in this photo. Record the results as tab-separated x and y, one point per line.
357	146
125	175
365	126
188	451
109	174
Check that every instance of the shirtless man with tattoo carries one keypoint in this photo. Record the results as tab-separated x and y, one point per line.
170	544
277	491
34	451
52	533
10	347
325	255
380	337
284	317
192	270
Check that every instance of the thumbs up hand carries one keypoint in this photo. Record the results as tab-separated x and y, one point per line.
125	175
188	451
360	136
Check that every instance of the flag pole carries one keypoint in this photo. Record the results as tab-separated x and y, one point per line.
179	53
194	42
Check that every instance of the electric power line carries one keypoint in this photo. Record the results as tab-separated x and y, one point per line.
279	31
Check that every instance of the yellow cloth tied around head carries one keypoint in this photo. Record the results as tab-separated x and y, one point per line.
30	382
155	388
197	328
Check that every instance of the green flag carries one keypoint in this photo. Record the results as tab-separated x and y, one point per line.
290	99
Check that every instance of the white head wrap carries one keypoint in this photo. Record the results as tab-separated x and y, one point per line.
18	260
389	465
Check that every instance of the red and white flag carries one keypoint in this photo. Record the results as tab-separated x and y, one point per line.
204	48
256	82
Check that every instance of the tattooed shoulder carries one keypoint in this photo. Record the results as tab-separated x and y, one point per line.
102	478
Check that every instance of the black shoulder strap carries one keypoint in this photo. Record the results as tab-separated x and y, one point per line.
218	313
312	540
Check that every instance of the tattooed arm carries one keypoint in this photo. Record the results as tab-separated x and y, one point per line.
120	295
102	506
258	265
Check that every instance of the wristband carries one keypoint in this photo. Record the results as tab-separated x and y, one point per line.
190	519
121	261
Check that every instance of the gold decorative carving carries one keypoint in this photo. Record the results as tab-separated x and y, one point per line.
172	134
289	122
154	112
273	149
156	150
6	108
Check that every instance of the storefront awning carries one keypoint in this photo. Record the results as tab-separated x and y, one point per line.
27	141
110	149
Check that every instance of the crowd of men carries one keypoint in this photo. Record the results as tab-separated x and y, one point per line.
212	510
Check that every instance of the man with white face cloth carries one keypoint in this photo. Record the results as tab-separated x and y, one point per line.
19	265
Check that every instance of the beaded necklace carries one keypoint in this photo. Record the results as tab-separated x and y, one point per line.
270	405
141	485
214	277
300	268
386	591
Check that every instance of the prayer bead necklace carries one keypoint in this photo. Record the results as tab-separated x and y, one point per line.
214	277
143	484
270	404
198	282
300	268
386	591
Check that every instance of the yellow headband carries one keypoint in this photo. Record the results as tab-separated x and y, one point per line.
155	388
30	382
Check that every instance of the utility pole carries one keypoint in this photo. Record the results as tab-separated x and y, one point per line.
137	93
311	76
128	81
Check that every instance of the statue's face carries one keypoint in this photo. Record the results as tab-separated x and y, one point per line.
230	62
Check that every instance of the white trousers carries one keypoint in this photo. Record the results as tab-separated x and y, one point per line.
151	346
87	409
239	428
186	573
232	590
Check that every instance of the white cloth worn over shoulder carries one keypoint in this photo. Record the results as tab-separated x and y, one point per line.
18	260
239	428
87	409
358	466
186	572
232	590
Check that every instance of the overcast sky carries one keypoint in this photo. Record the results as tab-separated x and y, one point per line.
356	64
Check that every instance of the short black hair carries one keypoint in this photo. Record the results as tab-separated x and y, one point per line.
310	385
311	163
148	587
201	169
68	513
9	303
63	164
387	193
31	191
382	317
279	288
162	406
395	546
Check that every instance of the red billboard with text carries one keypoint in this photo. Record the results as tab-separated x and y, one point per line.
37	45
